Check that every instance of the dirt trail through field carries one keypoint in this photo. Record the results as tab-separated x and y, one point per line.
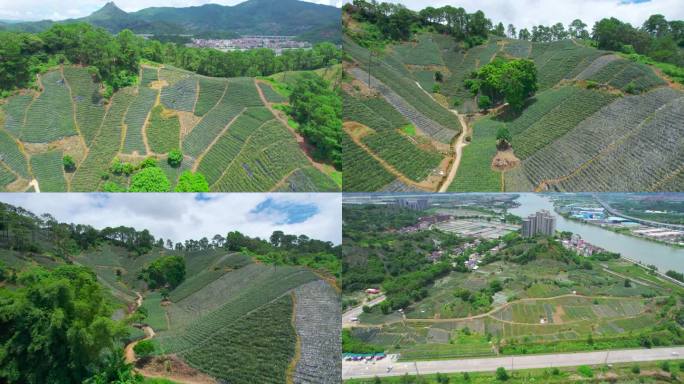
130	358
504	306
300	139
456	146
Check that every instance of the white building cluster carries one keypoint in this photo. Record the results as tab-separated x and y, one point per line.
542	222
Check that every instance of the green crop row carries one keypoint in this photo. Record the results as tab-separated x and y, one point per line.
136	118
89	104
362	173
48	170
163	131
475	173
50	116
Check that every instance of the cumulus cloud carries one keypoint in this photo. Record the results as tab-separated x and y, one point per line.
188	216
30	10
526	13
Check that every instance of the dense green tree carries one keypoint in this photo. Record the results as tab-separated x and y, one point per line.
510	80
116	371
175	158
55	327
167	271
144	348
150	180
318	110
69	163
192	182
578	30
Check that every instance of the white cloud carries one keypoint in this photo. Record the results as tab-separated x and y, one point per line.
182	216
55	9
526	13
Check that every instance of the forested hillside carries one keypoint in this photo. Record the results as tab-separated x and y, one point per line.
426	106
311	22
90	111
194	298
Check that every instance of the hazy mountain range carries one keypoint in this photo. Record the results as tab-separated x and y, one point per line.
309	21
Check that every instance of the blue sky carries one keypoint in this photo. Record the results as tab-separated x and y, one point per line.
59	9
192	216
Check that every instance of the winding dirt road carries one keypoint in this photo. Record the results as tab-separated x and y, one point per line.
458	152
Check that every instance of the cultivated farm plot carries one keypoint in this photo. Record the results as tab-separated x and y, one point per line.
424	51
163	130
170	109
362	172
561	60
48	170
217	336
398	150
475	173
135	120
618	128
271	95
50	115
89	104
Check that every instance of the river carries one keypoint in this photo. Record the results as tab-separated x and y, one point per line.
662	256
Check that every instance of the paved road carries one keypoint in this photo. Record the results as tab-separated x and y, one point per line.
356	311
351	370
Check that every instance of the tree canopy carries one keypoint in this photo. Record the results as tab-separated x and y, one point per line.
115	59
167	271
510	80
192	182
55	327
150	179
318	110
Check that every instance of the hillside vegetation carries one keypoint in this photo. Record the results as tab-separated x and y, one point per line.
526	296
234	308
606	116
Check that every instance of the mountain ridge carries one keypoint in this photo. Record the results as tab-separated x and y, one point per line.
252	17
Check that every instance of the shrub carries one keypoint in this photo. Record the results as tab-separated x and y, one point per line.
150	180
69	163
501	374
484	102
585	371
192	182
366	309
636	370
144	348
592	84
175	158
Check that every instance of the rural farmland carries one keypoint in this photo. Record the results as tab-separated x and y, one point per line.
227	129
598	120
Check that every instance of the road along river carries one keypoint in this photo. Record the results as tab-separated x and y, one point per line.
647	252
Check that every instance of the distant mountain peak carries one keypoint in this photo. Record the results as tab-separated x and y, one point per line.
109	10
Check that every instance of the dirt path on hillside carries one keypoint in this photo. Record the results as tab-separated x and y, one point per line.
191	375
325	168
199	158
457	148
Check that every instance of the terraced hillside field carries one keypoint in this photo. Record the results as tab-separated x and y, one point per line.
233	319
599	122
225	128
544	307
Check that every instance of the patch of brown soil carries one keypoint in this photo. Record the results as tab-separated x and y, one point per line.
173	368
72	145
358	88
131	158
357	130
658	373
558	314
18	185
158	84
442	100
670	82
505	161
188	121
